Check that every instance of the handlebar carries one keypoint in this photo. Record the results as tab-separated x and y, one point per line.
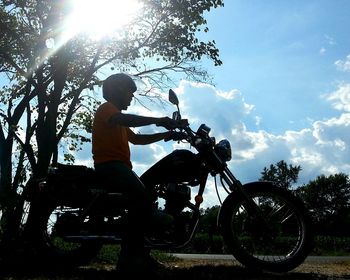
197	139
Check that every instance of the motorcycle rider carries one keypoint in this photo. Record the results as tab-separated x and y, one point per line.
111	135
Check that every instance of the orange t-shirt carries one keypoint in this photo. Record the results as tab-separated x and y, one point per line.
109	141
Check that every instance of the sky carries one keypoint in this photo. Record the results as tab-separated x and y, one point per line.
282	93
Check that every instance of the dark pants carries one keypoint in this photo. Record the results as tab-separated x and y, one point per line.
118	177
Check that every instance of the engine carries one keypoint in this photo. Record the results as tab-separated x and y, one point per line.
176	198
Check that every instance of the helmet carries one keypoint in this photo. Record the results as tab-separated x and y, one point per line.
117	84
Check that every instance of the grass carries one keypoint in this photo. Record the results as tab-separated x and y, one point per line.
109	255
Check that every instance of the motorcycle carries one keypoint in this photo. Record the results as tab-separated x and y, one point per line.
263	226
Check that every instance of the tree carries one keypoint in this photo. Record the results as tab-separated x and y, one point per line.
209	219
208	225
46	77
282	174
328	198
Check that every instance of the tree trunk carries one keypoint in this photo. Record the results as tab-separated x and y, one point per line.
11	210
5	169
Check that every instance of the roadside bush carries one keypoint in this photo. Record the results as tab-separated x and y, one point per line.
331	246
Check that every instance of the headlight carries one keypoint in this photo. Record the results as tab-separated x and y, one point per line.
223	149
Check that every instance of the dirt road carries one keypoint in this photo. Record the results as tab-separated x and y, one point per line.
225	270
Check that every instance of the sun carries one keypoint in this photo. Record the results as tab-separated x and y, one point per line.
100	18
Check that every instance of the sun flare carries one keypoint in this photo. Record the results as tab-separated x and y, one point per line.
100	18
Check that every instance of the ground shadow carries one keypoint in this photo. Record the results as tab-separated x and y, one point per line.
204	272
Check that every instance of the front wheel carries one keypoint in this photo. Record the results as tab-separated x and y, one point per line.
276	236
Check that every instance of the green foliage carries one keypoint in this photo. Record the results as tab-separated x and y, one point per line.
109	255
178	24
331	246
328	198
208	220
282	174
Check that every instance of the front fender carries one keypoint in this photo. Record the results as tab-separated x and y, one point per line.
237	194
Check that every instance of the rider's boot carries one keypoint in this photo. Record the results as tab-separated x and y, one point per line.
139	263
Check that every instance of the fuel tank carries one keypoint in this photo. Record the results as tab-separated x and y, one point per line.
180	166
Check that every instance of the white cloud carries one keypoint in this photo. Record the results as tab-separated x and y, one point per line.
158	151
143	156
246	143
324	148
321	148
343	65
330	40
341	97
228	95
218	109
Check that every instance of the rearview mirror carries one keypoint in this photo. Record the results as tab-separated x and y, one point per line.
173	97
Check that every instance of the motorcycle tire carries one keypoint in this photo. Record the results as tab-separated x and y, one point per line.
53	250
280	242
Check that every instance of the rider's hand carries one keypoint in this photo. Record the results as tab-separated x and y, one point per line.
170	124
166	122
182	123
176	136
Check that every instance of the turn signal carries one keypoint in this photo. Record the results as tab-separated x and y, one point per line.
198	199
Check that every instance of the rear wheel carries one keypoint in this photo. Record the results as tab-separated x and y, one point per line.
279	241
49	230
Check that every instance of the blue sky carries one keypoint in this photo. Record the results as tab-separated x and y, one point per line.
281	55
282	93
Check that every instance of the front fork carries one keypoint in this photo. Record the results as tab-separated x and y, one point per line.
251	207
